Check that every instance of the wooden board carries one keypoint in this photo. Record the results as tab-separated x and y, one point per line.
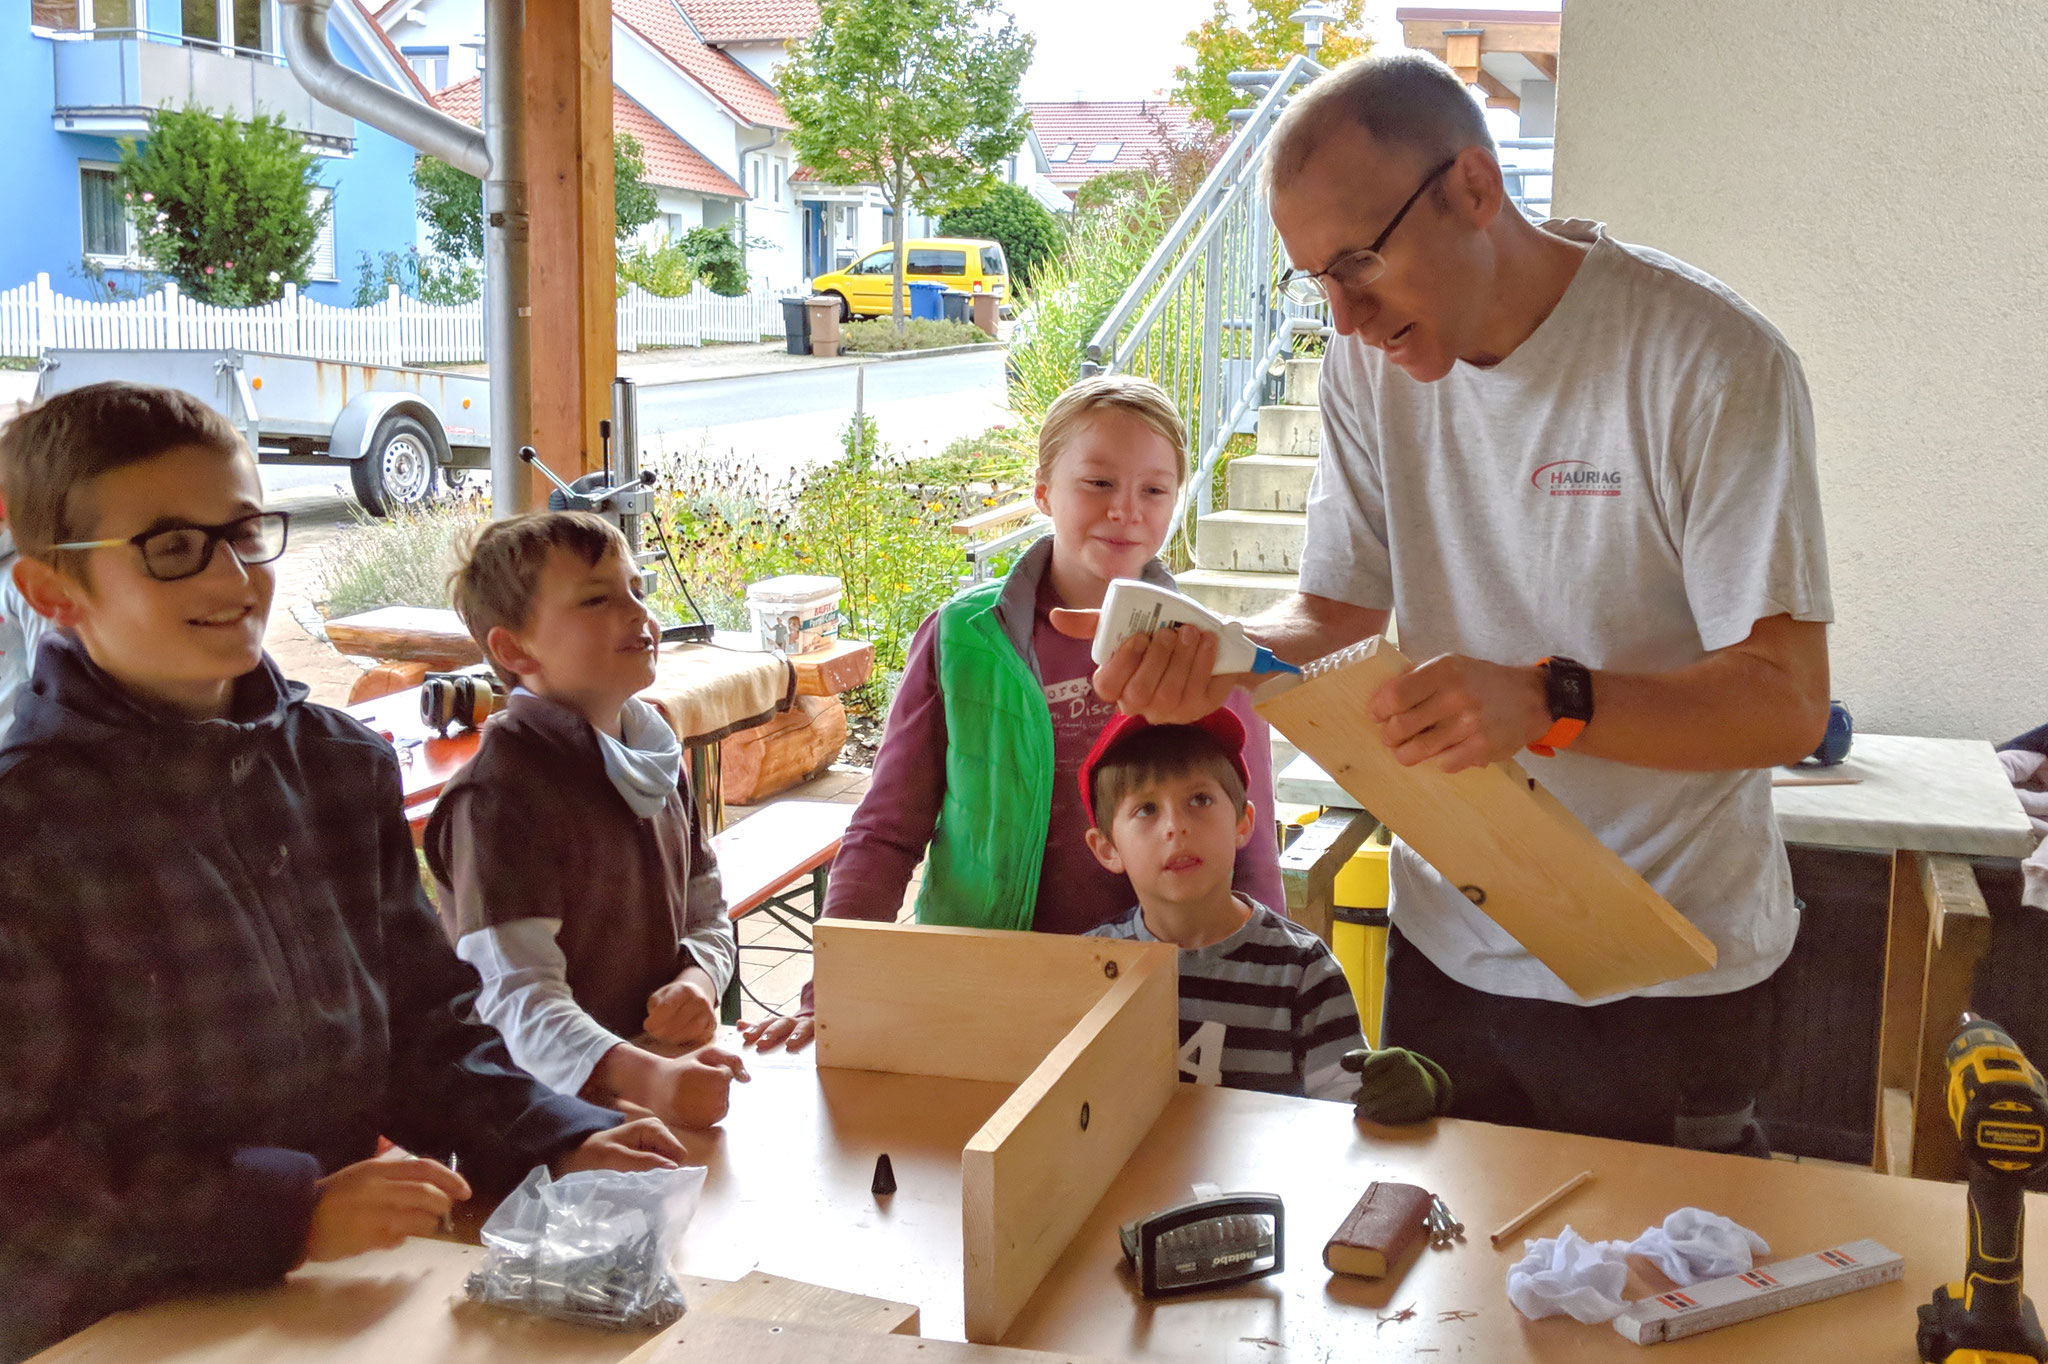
964	1003
767	1298
431	635
1032	1175
402	1306
1514	849
734	1340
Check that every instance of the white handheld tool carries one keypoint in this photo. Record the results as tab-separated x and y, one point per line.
1760	1292
1132	607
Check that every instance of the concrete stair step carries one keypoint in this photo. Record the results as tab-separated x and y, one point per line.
1290	430
1270	482
1236	594
1250	541
1300	381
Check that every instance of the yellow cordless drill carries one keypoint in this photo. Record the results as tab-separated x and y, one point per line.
1999	1106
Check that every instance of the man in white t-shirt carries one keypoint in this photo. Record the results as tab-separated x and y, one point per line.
1581	475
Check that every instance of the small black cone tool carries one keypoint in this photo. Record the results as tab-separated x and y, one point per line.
885	1176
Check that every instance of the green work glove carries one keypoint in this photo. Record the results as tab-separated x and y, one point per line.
1397	1086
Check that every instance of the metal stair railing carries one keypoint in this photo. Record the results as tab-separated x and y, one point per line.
1202	317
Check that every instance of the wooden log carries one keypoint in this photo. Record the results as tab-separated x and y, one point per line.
430	635
841	667
385	679
791	748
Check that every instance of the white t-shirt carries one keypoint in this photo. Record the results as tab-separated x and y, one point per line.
1633	487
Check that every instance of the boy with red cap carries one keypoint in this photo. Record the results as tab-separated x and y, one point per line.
1263	1003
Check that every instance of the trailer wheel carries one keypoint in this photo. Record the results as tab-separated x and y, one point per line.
397	471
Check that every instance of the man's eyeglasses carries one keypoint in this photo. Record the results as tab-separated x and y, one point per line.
1353	269
184	551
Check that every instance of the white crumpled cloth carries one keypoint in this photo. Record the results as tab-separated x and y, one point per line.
1567	1275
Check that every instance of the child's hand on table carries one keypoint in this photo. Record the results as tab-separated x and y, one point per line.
683	1012
795	1031
692	1091
642	1144
375	1204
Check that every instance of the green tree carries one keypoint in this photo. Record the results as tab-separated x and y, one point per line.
451	202
918	97
1264	43
1010	215
224	208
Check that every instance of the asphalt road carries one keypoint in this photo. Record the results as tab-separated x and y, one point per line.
783	423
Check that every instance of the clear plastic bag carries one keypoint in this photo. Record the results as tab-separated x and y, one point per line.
590	1247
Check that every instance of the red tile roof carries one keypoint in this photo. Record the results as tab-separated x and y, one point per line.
732	85
377	27
1137	124
739	21
670	161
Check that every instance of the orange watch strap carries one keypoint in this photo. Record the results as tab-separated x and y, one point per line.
1559	735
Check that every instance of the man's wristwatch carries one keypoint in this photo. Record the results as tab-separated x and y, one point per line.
1568	690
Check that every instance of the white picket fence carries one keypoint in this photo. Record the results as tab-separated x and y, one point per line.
397	331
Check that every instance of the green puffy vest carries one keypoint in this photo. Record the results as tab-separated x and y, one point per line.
982	867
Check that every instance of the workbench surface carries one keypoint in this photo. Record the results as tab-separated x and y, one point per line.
788	1192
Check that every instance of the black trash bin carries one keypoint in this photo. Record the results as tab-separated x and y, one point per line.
957	306
796	321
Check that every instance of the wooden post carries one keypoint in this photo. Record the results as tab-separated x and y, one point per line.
569	176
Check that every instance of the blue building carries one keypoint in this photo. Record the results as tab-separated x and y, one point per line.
78	75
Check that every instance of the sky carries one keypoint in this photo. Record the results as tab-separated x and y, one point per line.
1127	49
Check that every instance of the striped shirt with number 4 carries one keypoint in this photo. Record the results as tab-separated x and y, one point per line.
1267	1008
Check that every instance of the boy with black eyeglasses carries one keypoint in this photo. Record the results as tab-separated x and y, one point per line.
220	982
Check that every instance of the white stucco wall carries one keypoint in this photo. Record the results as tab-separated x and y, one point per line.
1870	178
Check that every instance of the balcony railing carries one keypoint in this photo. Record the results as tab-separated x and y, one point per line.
111	81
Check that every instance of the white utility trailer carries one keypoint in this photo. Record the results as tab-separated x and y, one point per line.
401	432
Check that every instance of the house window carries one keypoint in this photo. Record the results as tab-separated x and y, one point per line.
81	15
430	64
321	266
1061	152
1105	152
105	232
778	179
244	24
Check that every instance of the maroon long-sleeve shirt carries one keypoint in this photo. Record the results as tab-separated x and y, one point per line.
890	831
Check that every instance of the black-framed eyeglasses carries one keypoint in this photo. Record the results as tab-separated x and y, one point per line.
1353	269
176	552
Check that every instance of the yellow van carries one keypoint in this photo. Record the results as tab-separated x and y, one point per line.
956	262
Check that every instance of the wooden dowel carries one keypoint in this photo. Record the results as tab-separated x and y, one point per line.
1816	781
1514	1223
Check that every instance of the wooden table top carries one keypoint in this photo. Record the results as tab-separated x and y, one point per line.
788	1193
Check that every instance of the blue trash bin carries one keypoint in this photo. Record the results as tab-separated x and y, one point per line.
927	299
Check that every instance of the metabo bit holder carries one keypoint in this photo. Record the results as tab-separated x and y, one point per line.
1207	1244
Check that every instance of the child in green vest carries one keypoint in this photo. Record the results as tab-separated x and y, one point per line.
996	711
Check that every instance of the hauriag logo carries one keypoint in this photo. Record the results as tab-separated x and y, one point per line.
1576	478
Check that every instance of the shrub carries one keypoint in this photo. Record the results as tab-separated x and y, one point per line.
715	255
880	334
403	559
428	278
1010	215
1076	289
224	208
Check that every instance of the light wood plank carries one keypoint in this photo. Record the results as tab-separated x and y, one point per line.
1958	935
923	1000
432	635
1546	62
839	667
1895	1132
1309	866
769	1298
1499	95
1898	1027
1523	858
1034	1173
734	1340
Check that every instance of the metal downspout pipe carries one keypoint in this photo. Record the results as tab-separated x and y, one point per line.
495	155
